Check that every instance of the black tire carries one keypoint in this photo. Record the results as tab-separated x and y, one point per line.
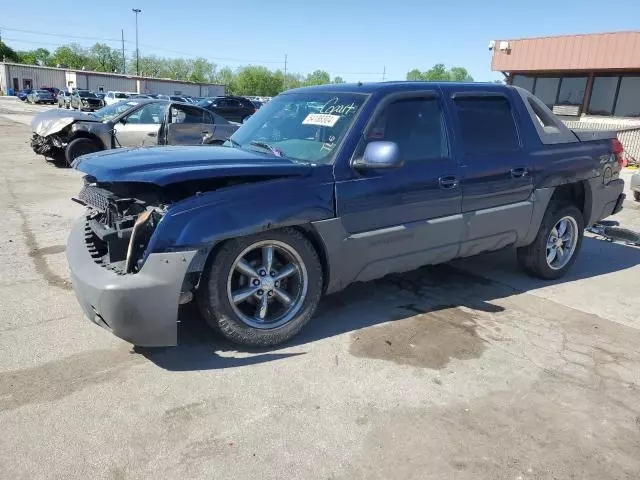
533	258
78	147
636	196
216	308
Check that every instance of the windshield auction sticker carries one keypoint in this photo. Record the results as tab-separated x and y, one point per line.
322	119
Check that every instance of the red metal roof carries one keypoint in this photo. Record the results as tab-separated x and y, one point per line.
599	51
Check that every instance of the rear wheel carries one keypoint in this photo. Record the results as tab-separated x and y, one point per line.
262	289
78	147
557	244
636	196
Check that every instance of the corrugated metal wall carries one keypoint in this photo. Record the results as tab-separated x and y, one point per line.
628	135
40	77
60	78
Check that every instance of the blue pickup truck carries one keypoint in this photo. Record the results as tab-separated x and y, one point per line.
325	186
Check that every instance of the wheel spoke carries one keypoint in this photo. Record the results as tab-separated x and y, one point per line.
240	296
267	258
285	272
283	297
551	255
562	228
246	269
262	307
566	238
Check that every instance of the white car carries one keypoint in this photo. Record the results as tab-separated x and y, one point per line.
115	97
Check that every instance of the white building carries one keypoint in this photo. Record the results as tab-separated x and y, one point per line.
18	76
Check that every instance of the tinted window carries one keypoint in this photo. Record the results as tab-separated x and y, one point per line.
546	90
151	113
602	95
628	103
416	126
207	117
524	82
487	125
232	103
186	114
86	94
572	91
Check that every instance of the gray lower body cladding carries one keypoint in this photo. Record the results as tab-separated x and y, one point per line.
140	308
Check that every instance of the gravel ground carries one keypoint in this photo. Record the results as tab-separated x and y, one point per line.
462	371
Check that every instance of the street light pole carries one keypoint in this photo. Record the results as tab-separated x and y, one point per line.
137	11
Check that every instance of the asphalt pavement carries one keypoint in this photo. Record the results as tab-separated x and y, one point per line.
464	371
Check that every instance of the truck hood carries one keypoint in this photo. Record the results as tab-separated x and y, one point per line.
53	121
166	165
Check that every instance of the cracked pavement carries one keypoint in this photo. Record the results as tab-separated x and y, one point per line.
466	371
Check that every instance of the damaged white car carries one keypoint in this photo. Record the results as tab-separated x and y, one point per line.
66	135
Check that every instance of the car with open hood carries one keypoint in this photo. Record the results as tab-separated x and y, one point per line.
65	135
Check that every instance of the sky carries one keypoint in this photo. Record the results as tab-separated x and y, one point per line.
355	39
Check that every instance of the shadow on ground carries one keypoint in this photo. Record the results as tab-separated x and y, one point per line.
433	290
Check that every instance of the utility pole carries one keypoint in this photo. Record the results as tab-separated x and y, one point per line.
137	11
284	82
384	72
124	64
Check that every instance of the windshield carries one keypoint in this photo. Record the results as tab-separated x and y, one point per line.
111	111
120	95
290	126
86	94
43	92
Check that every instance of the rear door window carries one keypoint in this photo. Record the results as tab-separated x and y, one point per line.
486	124
187	114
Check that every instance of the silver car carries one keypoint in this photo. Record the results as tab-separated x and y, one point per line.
133	123
40	96
64	99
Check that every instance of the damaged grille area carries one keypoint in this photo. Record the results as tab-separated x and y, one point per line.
110	224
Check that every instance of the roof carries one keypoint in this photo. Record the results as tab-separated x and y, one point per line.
109	74
385	87
598	51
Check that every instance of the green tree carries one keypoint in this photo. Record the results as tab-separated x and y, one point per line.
414	74
103	58
257	80
319	77
439	73
72	55
338	80
202	70
9	54
39	56
226	77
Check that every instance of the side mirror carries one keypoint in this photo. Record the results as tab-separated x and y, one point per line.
379	155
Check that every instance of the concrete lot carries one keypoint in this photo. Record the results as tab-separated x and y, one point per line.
464	371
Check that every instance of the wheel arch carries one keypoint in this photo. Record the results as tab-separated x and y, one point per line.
91	136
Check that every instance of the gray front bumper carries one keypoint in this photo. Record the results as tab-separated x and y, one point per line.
141	308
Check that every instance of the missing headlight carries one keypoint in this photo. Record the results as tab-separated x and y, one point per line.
141	233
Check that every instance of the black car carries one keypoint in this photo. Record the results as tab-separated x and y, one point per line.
235	109
85	100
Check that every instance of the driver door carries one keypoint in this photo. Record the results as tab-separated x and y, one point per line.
188	125
141	127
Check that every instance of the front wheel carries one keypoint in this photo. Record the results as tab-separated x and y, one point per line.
79	147
557	244
262	289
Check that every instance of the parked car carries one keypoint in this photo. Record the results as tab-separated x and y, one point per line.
385	178
635	186
22	94
130	123
64	99
115	97
54	91
256	104
101	95
85	100
236	109
40	96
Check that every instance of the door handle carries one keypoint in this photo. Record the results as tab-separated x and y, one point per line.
519	172
152	134
448	181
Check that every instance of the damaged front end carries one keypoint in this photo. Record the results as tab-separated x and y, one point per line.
118	225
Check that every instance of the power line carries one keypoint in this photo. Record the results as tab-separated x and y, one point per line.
64	35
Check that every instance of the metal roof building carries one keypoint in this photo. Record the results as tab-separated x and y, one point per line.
576	75
18	76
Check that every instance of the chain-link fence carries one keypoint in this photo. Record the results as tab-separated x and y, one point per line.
629	136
